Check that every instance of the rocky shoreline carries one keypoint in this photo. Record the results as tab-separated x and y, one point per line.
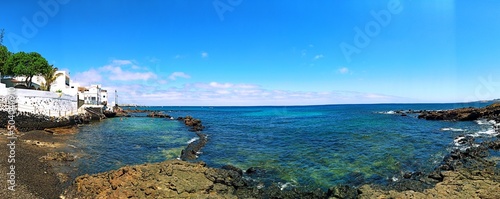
471	173
466	173
491	112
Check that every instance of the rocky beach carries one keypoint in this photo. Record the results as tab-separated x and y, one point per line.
470	172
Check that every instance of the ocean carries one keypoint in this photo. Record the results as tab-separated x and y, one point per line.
315	146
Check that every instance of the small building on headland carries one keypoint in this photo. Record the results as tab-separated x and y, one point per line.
94	98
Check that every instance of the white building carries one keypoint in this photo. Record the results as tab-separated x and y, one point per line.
36	81
93	95
104	97
64	84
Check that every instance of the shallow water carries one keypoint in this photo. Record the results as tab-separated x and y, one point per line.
305	145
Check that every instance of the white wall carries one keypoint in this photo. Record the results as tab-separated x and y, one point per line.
44	102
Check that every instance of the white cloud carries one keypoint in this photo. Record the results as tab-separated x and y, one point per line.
162	81
343	70
154	60
139	86
175	75
121	62
204	55
219	85
227	94
117	70
89	77
318	56
116	73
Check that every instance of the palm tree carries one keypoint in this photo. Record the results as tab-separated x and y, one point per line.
50	76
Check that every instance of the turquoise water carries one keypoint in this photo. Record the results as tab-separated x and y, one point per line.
305	145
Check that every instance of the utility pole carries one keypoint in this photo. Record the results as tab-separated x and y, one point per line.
116	98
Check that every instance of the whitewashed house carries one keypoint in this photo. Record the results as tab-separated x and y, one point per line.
64	83
104	97
92	95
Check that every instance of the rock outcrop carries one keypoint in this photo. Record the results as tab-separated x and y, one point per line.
466	173
67	130
195	124
491	112
26	121
58	156
460	183
169	179
178	179
158	115
192	149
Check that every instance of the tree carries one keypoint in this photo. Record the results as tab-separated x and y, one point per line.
4	56
2	32
26	64
50	76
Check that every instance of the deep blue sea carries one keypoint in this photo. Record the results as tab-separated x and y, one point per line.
318	146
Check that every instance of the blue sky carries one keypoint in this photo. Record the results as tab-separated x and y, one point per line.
241	52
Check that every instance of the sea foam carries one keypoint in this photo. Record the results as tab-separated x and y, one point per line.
452	129
193	140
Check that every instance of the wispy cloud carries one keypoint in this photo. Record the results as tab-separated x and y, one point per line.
204	55
117	73
139	86
343	70
318	57
225	94
117	70
175	75
121	62
89	77
154	60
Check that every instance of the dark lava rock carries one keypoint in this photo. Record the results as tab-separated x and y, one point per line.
190	153
407	175
232	168
58	156
158	115
26	121
436	175
464	114
254	170
342	191
169	179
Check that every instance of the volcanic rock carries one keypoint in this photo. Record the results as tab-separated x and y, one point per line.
169	179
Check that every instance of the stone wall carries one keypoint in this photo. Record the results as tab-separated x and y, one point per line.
42	103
